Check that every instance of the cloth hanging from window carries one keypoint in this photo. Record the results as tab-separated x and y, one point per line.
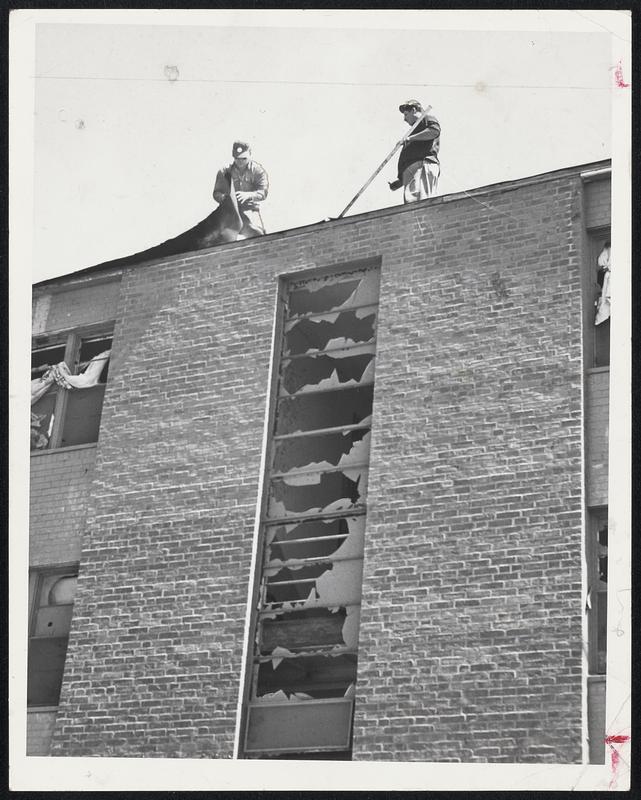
61	374
604	263
90	377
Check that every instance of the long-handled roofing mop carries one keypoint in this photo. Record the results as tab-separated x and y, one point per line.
396	146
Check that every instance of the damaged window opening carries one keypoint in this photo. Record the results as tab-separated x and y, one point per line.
68	382
52	601
600	250
305	643
597	604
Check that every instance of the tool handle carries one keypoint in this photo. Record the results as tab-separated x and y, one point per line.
396	146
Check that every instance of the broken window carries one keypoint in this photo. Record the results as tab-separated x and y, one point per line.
601	253
68	381
305	645
597	604
52	596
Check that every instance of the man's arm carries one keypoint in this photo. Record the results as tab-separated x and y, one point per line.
431	131
221	187
260	185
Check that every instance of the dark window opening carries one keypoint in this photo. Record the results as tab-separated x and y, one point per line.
600	256
303	671
52	608
598	592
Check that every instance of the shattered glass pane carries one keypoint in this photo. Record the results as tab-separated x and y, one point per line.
317	676
330	331
603	536
44	358
314	586
304	630
312	493
351	406
311	373
322	451
330	293
315	539
306	636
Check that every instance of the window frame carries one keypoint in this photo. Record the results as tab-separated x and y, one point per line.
250	705
595	240
597	520
37	579
71	340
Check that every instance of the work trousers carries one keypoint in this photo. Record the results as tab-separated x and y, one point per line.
420	181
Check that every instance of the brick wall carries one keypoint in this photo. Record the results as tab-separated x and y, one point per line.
470	641
472	609
597	426
597	203
59	494
39	730
74	306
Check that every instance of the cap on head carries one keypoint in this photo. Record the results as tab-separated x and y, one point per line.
240	149
408	105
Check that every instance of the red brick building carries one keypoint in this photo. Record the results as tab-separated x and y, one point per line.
337	492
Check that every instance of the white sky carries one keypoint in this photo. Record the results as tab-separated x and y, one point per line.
125	158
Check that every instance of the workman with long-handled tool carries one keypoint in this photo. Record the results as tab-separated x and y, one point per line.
418	164
248	180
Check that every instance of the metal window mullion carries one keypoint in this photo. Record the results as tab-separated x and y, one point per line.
292	472
325	350
316	431
339	388
337	649
312	560
341	310
357	511
269	613
60	409
346	347
311	539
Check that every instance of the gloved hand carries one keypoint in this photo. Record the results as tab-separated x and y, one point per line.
243	197
394	185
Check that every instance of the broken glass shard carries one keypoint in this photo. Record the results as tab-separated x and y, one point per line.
322	451
350	406
335	491
317	675
319	333
307	629
323	371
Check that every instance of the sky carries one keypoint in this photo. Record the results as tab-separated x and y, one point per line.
134	112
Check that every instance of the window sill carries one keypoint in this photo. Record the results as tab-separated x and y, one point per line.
41	709
600	678
595	370
63	449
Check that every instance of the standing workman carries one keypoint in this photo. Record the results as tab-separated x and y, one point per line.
250	185
418	164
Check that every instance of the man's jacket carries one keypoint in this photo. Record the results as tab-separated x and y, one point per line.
426	150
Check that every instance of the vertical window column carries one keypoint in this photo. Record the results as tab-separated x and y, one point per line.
303	669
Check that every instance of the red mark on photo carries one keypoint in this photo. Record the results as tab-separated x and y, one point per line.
610	742
618	77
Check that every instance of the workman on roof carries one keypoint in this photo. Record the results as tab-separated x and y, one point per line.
250	184
418	164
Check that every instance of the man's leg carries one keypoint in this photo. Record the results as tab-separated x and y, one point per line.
420	181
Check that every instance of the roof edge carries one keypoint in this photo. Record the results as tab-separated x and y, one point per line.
594	170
